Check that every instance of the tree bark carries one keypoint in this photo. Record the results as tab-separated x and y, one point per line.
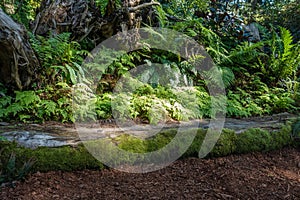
84	20
18	62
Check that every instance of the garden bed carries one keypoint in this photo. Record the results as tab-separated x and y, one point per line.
274	174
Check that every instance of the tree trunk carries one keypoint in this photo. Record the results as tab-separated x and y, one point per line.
18	62
84	20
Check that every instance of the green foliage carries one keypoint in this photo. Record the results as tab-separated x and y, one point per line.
260	100
260	78
21	10
280	13
24	101
103	106
242	104
244	56
185	9
284	59
84	102
60	58
158	104
102	4
10	170
2	138
42	105
228	20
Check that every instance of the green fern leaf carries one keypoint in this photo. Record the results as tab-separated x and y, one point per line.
71	74
25	98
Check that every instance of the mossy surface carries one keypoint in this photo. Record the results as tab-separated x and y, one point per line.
47	159
225	145
253	140
69	158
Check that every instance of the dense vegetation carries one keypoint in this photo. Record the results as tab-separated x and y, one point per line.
254	44
260	72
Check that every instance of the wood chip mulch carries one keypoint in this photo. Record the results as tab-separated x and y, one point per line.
273	175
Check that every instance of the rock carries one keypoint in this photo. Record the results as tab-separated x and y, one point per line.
4	124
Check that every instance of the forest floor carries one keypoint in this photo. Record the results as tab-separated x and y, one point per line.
271	175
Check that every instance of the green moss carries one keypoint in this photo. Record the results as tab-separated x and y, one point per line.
193	150
77	158
253	140
160	140
281	138
132	144
295	129
63	158
225	145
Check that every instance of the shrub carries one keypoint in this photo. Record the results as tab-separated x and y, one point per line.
11	168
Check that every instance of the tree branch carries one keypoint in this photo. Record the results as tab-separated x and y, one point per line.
133	9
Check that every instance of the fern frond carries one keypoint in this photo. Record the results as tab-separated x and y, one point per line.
287	40
25	98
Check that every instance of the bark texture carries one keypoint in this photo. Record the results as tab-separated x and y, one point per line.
18	61
84	20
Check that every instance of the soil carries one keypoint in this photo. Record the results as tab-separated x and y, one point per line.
272	175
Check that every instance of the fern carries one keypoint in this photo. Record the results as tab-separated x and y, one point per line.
47	108
5	101
245	55
60	57
284	59
25	98
14	109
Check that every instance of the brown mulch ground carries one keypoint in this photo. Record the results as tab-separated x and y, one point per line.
273	175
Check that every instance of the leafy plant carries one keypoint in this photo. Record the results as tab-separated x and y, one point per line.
2	138
61	58
21	10
84	102
185	9
48	104
284	59
11	172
